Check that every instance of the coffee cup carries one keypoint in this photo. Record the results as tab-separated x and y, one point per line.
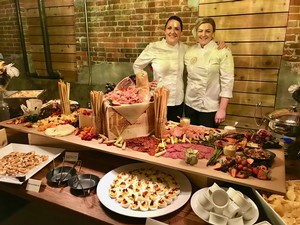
231	192
205	201
215	218
213	188
231	210
250	213
236	221
241	201
220	200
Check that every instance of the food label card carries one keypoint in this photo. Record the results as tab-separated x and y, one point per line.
33	185
71	156
150	221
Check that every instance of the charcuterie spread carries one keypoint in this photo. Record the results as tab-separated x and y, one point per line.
238	154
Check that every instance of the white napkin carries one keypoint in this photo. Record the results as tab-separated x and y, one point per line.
33	107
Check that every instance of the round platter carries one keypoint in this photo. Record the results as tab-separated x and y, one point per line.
195	205
107	179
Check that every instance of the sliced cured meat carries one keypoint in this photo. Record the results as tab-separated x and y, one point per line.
191	132
143	144
177	151
124	84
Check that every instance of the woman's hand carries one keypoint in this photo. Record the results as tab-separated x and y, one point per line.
153	84
220	116
221	45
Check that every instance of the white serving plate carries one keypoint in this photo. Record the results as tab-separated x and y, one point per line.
195	205
106	180
271	213
39	150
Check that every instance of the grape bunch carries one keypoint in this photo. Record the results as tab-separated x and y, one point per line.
109	87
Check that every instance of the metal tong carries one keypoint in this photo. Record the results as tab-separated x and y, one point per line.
62	178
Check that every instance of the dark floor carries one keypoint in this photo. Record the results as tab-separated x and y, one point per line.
18	211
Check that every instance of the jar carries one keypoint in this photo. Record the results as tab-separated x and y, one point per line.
191	156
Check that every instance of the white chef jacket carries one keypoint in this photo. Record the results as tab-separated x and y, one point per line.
168	63
210	76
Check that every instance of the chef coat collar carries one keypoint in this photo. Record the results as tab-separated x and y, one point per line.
209	45
171	46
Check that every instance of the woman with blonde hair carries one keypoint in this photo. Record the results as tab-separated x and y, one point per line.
210	77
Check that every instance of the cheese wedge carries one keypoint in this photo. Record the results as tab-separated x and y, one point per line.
60	130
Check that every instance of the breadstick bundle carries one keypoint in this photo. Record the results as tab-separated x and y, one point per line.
161	95
96	98
64	94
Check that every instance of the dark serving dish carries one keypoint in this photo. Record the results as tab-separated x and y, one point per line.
60	175
83	184
260	155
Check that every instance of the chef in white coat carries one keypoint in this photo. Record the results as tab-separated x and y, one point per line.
166	58
210	77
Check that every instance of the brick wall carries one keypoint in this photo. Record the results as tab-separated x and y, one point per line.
9	31
120	30
291	52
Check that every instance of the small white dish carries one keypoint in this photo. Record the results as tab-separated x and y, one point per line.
231	210
231	192
220	200
236	221
215	218
205	201
249	214
213	188
229	129
241	201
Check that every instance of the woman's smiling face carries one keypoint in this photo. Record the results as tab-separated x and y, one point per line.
173	32
205	34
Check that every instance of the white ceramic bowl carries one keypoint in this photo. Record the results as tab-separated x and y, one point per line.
231	210
231	192
236	221
215	218
250	213
242	202
205	201
220	200
213	188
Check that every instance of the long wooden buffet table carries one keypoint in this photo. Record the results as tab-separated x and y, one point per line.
276	185
99	159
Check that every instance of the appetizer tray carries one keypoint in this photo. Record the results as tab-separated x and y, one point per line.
272	215
113	205
50	152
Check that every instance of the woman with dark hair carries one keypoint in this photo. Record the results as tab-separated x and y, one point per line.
210	77
166	58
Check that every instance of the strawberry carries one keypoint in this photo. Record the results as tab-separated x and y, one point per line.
263	167
217	166
233	171
27	124
242	174
250	160
263	174
255	171
77	131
